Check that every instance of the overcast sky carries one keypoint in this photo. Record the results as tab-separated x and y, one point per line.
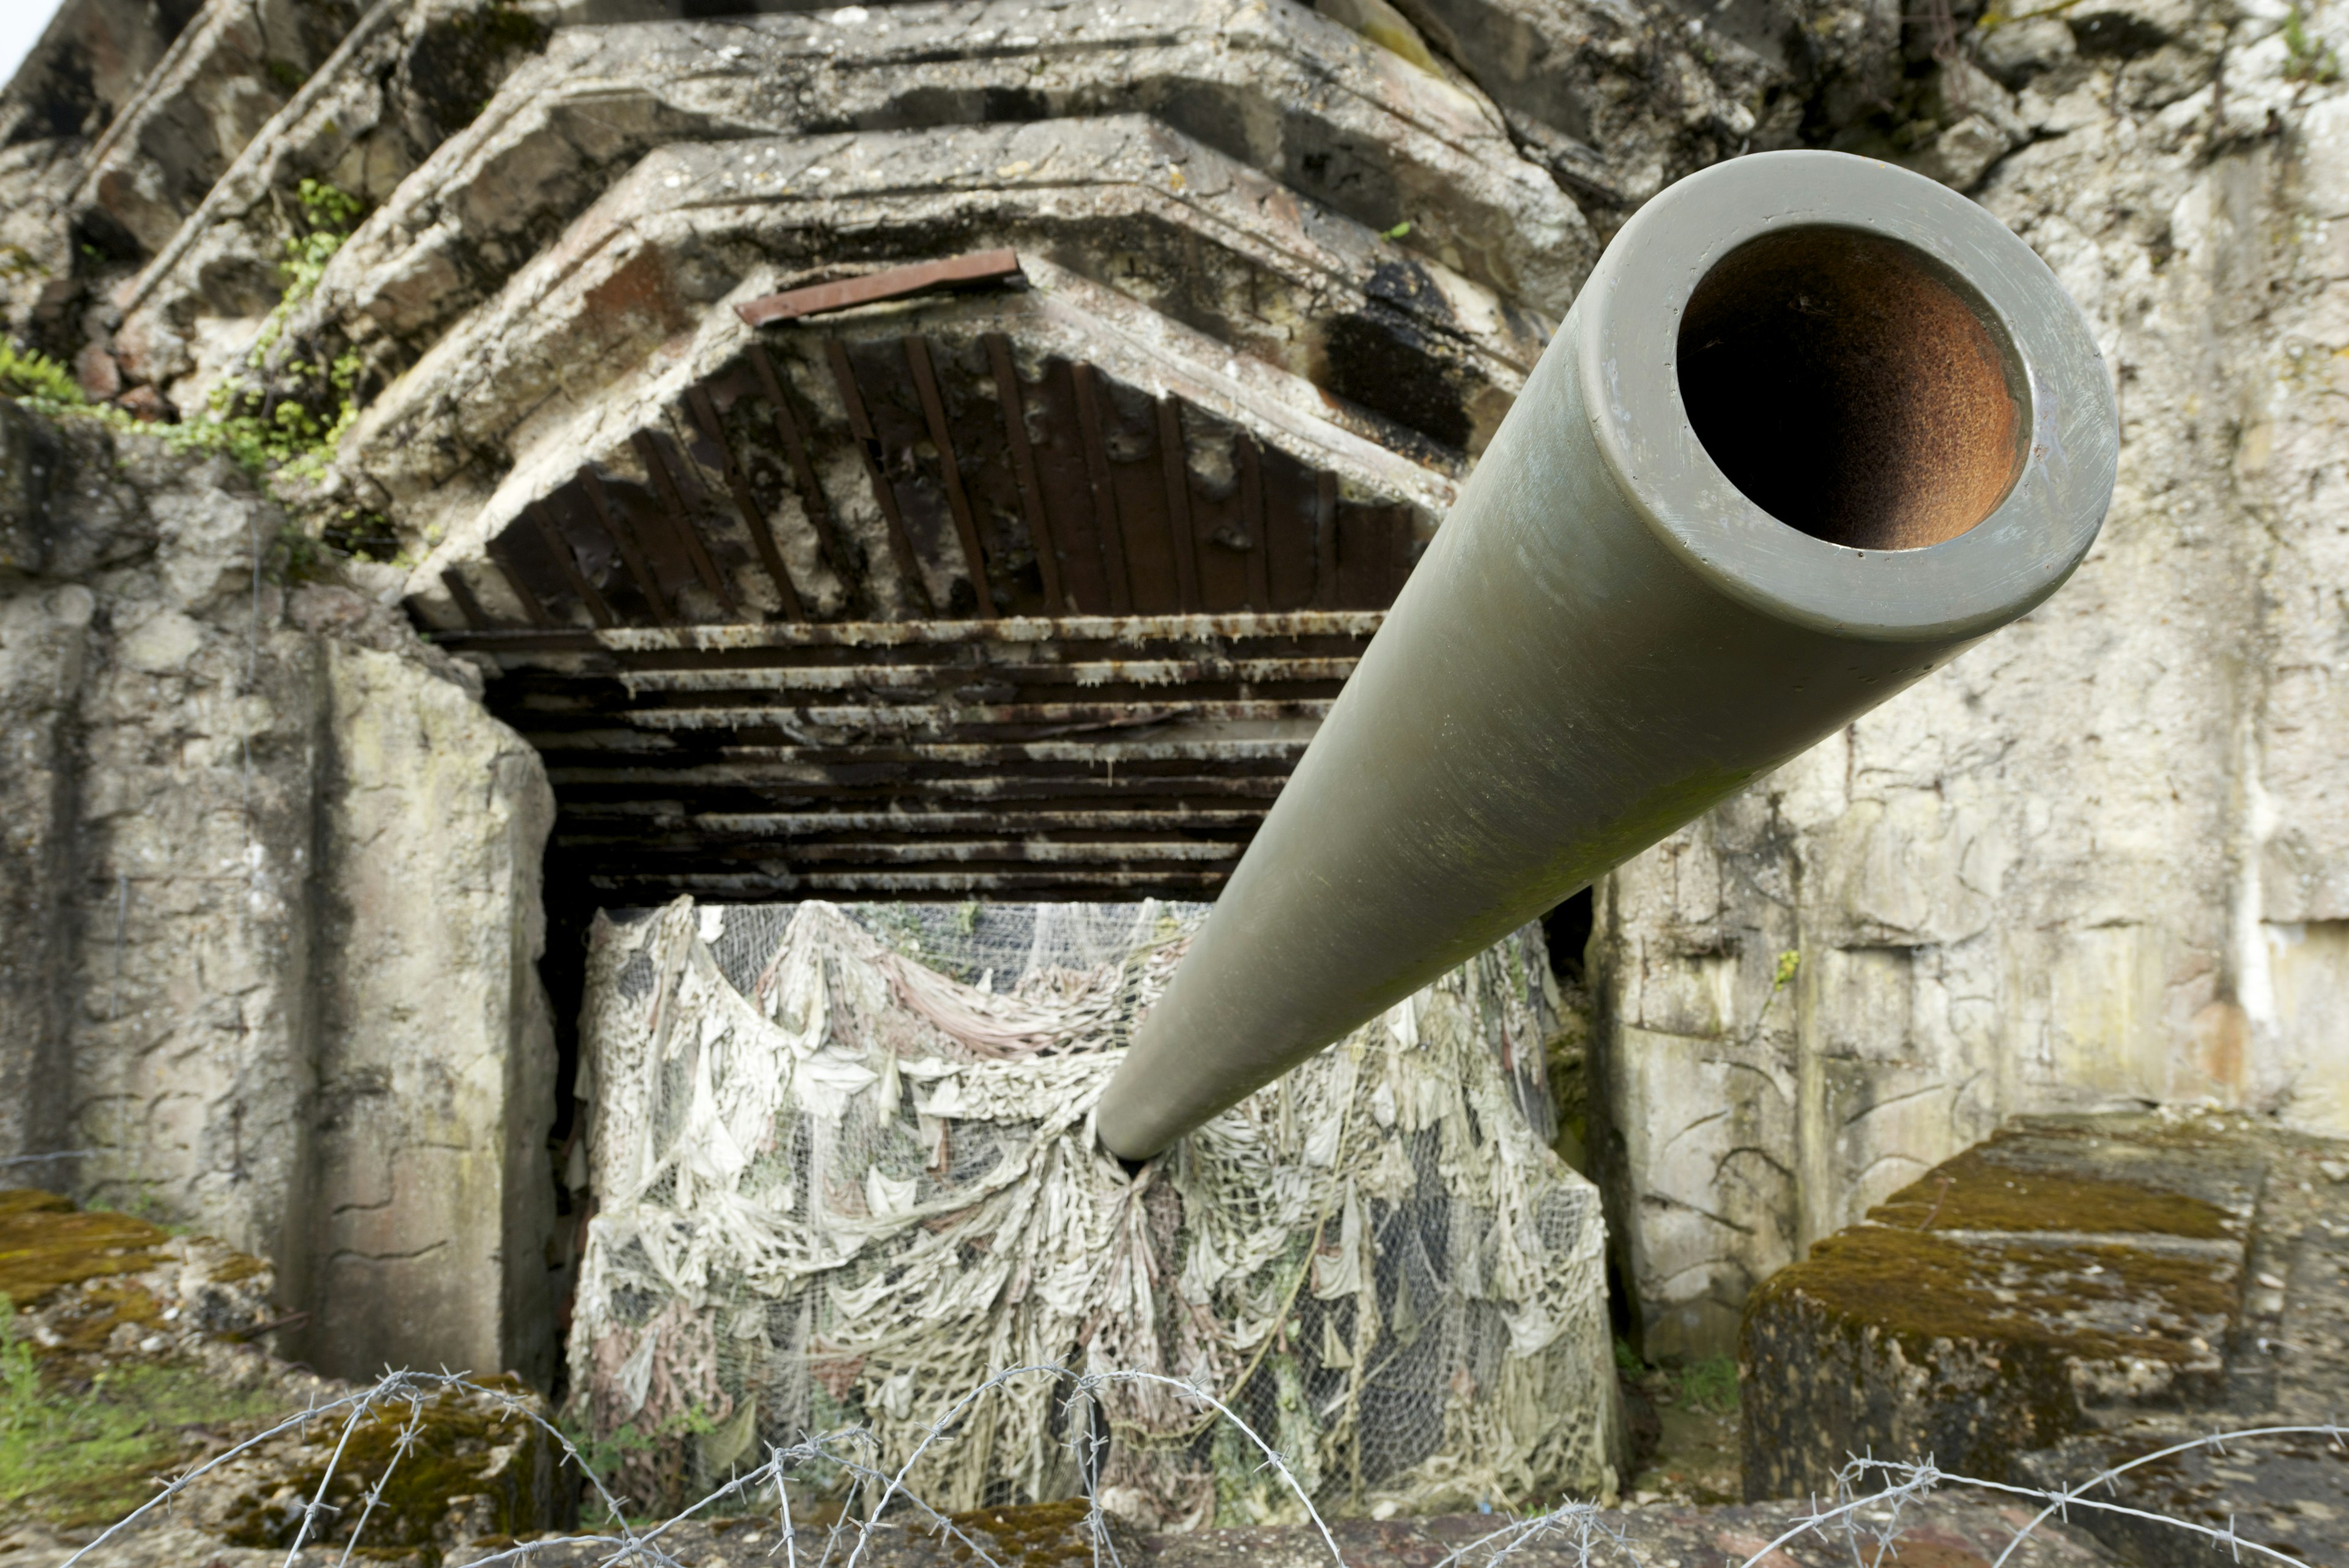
21	22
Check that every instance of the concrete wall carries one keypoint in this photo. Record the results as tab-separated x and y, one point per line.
271	914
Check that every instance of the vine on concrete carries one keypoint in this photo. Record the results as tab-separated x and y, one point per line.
278	434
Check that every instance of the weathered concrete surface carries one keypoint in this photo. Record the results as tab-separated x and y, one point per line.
1951	1531
2093	1288
2099	862
435	1044
1344	124
230	71
2288	1492
274	911
553	368
2288	1366
152	1339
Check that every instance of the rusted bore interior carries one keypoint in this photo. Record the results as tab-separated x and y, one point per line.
1851	389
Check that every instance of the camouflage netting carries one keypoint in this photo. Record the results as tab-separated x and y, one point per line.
844	1170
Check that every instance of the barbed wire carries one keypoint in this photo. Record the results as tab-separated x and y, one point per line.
1858	1517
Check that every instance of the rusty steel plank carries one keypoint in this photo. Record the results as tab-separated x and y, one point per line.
719	888
811	496
801	825
532	609
623	539
942	853
680	522
1173	462
1013	403
1009	791
934	414
754	522
1037	629
977	754
1259	556
973	270
868	446
1143	672
1006	630
948	716
560	548
1325	539
1109	533
468	606
1030	851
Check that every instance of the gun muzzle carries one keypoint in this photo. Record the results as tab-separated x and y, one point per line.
1815	426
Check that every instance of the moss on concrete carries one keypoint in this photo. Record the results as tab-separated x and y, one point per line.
469	1473
45	1243
1029	1534
90	1414
1918	1287
1990	1307
1978	1191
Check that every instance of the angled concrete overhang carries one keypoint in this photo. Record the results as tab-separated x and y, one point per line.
818	614
1395	348
1339	120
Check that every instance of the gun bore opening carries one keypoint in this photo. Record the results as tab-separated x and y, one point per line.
1853	389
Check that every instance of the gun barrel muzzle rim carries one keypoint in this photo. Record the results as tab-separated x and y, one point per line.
1948	298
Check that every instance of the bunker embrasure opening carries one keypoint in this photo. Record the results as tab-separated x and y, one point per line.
1852	388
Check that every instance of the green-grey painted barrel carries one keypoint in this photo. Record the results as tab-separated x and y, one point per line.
1607	635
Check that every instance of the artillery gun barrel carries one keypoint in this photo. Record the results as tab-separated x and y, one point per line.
1815	426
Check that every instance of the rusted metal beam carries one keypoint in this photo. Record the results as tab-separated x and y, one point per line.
591	777
720	887
1013	402
560	548
1324	540
1142	673
1259	562
977	269
881	717
532	608
948	851
815	824
793	440
624	540
934	414
680	522
467	605
754	522
1173	462
868	446
1131	630
977	755
1108	531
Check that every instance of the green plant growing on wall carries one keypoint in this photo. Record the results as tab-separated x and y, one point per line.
329	214
1710	1385
2307	59
602	1456
279	435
